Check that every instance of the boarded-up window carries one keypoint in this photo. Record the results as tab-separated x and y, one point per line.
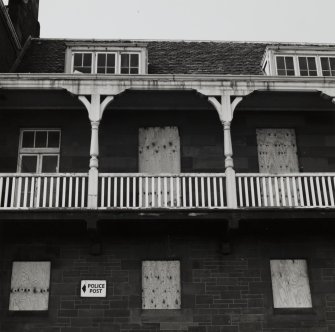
159	153
161	285
290	284
277	150
30	286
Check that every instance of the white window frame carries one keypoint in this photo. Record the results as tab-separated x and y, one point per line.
316	65
294	64
327	57
96	54
117	49
72	60
39	152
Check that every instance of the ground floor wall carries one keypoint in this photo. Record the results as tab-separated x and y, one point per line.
220	292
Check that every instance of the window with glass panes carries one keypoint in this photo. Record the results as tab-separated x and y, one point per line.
129	63
106	63
39	151
307	66
328	66
285	65
82	62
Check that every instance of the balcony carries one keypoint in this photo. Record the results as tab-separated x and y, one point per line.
187	191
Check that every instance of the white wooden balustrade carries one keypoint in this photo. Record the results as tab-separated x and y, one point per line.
57	190
286	190
173	191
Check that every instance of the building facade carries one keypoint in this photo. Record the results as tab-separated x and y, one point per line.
165	185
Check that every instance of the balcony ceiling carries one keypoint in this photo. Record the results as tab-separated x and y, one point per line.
285	101
38	99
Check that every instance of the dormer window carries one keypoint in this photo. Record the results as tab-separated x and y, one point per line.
304	61
101	59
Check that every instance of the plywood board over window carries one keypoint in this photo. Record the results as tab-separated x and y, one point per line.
30	286
290	284
159	152
161	285
277	150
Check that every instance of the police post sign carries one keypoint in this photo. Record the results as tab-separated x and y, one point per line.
93	288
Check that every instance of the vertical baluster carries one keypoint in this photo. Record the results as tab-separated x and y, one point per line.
51	189
159	192
140	190
134	191
171	191
83	191
57	191
44	197
115	192
330	190
215	192
265	197
324	190
13	192
165	192
19	192
209	193
277	191
301	193
76	198
121	192
259	197
252	189
288	188
240	191
64	191
318	191
38	189
190	189
295	196
146	192
109	193
196	192
307	191
270	190
102	199
25	195
6	192
202	191
127	193
153	200
221	191
1	186
184	192
70	191
246	190
178	191
32	192
283	191
311	181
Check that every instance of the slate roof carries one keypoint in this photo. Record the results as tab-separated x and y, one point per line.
165	57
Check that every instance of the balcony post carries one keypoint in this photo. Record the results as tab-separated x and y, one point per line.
225	110
95	110
229	166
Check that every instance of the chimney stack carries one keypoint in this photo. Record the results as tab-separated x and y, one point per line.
24	16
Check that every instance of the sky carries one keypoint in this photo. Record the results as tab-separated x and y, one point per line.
240	20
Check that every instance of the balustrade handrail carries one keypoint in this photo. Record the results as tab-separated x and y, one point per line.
285	174
43	174
161	174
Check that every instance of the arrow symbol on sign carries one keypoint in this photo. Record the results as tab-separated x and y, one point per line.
84	288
